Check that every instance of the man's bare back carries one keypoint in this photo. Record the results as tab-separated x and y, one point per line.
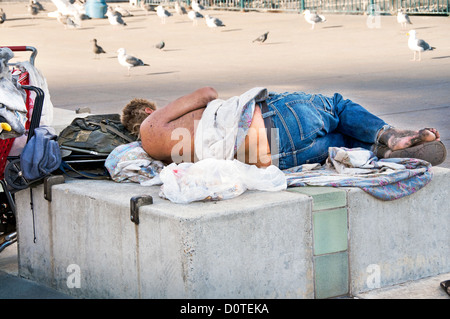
168	134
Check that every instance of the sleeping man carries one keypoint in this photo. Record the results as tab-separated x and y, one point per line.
264	128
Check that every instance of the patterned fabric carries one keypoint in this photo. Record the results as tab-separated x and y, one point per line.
385	179
130	163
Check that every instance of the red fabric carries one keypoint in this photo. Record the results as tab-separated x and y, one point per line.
6	144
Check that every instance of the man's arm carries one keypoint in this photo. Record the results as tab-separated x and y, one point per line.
185	104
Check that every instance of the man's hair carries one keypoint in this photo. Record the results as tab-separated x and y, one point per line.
133	114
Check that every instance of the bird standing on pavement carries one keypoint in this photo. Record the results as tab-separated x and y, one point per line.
196	6
123	12
194	16
114	17
417	45
129	61
403	18
33	9
2	16
160	45
313	18
162	13
179	9
67	21
213	22
97	49
262	38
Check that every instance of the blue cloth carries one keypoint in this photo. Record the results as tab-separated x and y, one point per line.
41	155
308	124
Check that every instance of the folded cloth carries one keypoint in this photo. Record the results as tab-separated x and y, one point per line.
41	155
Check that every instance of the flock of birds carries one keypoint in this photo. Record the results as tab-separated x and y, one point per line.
416	45
116	17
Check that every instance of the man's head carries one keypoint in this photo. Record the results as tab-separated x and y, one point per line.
134	113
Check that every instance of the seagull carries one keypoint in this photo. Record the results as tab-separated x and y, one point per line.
2	16
197	7
313	18
129	61
213	22
124	12
261	38
194	16
180	10
147	7
114	18
162	13
417	45
403	18
97	49
67	21
160	45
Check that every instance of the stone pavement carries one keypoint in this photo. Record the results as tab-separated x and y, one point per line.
368	63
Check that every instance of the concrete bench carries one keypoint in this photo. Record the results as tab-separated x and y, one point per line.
306	242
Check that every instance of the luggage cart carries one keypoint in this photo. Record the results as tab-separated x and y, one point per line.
10	173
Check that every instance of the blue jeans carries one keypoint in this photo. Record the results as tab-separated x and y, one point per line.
308	124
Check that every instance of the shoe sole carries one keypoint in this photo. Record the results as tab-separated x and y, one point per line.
432	152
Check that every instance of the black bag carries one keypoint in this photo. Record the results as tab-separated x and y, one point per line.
96	135
86	143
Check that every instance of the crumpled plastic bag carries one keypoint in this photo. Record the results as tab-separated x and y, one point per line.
214	179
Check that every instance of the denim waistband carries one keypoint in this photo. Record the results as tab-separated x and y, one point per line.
267	121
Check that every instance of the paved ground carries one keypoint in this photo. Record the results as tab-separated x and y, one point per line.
368	63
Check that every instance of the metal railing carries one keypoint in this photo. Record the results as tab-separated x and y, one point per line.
412	7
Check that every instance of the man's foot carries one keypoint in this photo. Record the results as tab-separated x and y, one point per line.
396	139
433	152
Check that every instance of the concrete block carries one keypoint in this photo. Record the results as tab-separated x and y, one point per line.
392	242
240	248
258	245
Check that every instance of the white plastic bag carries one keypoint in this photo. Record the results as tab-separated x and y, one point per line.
213	179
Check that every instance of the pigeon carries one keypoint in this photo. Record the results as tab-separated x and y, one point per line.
261	38
160	45
129	61
38	5
114	18
313	18
403	18
194	16
2	16
213	22
162	13
197	7
180	10
417	45
97	49
33	9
